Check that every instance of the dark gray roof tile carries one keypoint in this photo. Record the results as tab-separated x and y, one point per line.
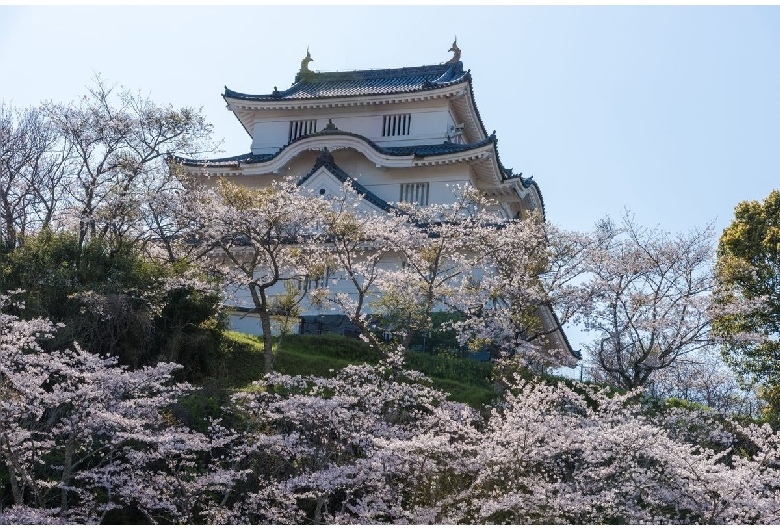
247	158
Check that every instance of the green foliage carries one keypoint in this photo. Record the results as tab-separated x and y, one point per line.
771	412
440	338
188	330
196	409
333	346
749	269
113	301
92	290
243	359
466	380
465	371
677	403
51	267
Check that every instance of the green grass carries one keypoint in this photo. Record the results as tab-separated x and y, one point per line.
466	381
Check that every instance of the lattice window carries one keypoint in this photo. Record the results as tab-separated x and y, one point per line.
301	128
396	124
416	192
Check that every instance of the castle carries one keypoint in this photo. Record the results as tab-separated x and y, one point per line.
399	135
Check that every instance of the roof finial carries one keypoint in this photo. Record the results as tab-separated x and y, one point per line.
455	52
305	62
324	157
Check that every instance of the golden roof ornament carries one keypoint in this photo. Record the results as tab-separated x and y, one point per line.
305	63
455	52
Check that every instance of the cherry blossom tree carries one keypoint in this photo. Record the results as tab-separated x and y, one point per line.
361	447
498	278
254	234
31	163
561	456
521	271
651	300
358	244
707	380
435	246
374	444
81	436
118	142
172	213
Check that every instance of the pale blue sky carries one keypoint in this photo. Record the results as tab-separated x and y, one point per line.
671	112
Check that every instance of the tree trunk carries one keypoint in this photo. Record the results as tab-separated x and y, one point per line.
12	464
67	473
261	306
268	345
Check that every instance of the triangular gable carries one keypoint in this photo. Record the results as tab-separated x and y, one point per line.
326	179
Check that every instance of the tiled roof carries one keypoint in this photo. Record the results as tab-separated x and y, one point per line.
446	148
419	151
315	85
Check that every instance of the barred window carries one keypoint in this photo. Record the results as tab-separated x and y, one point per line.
301	128
396	124
416	192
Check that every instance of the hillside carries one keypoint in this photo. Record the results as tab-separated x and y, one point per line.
465	380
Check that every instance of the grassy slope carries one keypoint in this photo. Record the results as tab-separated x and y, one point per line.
465	380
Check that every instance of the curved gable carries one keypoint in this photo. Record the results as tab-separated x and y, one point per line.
327	178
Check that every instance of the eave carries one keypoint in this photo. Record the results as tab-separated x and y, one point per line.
245	109
465	108
381	157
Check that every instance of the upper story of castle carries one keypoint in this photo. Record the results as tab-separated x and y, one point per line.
397	107
403	134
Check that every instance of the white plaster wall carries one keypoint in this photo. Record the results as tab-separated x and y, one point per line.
323	183
269	135
430	124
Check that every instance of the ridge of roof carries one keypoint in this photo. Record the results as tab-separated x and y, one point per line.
407	71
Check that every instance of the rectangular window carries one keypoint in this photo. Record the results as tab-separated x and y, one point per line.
396	124
301	128
416	193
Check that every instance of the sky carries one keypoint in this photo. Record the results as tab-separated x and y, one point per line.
672	113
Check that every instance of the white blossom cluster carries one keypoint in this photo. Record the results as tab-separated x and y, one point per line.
81	438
